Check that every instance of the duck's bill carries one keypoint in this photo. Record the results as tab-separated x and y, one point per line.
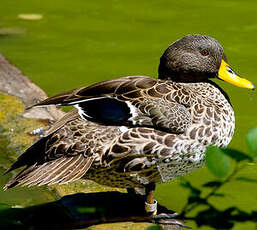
227	74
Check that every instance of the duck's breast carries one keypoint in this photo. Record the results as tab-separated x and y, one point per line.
213	120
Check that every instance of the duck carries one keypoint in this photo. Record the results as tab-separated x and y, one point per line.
135	132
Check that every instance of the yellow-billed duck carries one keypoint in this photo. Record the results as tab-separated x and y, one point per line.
137	131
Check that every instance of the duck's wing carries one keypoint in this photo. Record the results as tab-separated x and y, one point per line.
132	101
59	165
128	87
69	116
36	152
61	170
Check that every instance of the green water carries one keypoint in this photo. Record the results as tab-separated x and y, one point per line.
81	42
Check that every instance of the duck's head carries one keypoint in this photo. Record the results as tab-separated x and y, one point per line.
196	58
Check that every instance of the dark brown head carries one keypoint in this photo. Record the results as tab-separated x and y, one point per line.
195	58
192	58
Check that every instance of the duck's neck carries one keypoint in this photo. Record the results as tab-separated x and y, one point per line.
220	89
184	76
192	77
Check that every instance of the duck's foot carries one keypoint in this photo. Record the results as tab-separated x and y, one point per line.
169	219
163	218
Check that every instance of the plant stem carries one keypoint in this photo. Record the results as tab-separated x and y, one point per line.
189	207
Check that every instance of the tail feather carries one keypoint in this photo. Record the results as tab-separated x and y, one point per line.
29	157
16	180
61	170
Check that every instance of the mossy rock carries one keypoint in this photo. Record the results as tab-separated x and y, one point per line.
125	226
15	128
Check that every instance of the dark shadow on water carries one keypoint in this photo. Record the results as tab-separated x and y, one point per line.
82	210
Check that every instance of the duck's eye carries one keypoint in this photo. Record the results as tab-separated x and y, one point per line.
205	52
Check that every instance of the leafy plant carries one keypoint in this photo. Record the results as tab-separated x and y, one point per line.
220	162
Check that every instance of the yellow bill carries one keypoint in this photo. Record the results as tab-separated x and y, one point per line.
227	74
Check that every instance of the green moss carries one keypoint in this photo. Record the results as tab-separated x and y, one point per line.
10	107
13	125
82	185
14	139
122	226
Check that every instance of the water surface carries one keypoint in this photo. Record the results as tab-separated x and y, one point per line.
81	42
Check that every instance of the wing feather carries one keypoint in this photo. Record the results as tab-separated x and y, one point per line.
78	171
101	89
47	170
64	170
130	101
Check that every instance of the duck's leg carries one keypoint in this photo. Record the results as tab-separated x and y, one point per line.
151	209
150	203
166	217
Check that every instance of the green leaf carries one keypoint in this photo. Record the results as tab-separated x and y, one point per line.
197	200
194	191
247	179
217	162
218	194
236	155
251	141
212	184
